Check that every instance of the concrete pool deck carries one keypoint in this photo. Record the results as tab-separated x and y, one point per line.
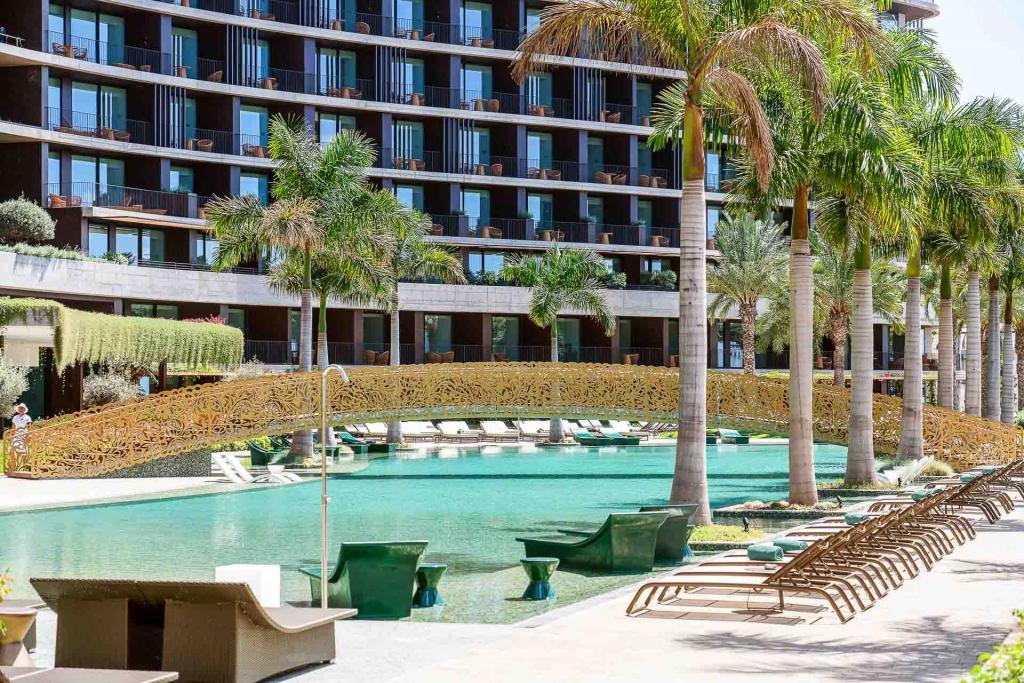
930	630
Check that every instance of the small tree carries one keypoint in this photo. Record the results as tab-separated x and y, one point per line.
13	383
109	386
24	221
753	264
249	369
561	279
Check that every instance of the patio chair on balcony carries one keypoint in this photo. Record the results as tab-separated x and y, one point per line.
620	179
62	202
216	77
494	105
611	116
603	178
362	27
554	174
631	359
64	127
383	358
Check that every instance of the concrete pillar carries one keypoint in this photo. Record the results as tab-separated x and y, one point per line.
634	163
118	306
616	344
417	337
357	336
666	346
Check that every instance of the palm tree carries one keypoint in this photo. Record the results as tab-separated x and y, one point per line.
410	257
992	365
752	264
812	155
714	44
309	183
561	279
946	292
833	293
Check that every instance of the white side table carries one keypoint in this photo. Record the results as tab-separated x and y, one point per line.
263	579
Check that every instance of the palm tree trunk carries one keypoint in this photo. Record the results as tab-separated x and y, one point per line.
1018	347
972	393
555	432
803	488
912	433
689	480
323	356
946	339
1008	414
860	454
395	427
748	321
992	407
840	333
302	440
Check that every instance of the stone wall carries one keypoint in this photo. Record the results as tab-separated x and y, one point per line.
194	464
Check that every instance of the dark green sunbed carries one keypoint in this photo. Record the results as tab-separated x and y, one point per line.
261	457
370	447
625	542
280	442
621	440
585	438
711	440
733	437
673	536
375	578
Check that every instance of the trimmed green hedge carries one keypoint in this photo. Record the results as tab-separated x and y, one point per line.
87	337
1004	665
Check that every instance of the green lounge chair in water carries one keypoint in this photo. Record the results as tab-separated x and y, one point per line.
733	437
375	578
621	440
711	439
356	443
673	536
586	438
280	442
261	457
625	542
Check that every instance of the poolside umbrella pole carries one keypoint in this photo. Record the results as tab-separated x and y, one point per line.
324	405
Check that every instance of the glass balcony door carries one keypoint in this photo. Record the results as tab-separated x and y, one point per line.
185	49
505	336
477	206
410	195
568	339
477	82
408	139
538	150
336	69
477	21
437	333
475	149
541	207
330	125
253	126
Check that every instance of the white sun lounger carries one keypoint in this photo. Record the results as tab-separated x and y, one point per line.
236	473
458	431
498	431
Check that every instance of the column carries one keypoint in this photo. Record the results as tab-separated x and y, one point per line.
666	346
616	351
417	327
357	336
486	337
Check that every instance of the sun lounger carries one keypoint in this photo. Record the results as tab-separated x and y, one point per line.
375	578
626	429
236	473
206	631
261	457
586	438
620	440
535	430
376	430
673	535
625	542
496	430
360	446
68	675
420	431
458	431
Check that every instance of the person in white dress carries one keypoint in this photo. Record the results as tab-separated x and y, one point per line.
21	420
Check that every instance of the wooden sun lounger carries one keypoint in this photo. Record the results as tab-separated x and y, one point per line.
206	631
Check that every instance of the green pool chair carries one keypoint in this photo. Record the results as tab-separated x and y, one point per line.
368	446
261	457
586	438
375	578
625	542
711	439
619	439
733	437
673	536
280	442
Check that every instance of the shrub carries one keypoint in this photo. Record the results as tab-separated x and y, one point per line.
108	387
937	468
661	279
1005	664
24	221
13	383
613	280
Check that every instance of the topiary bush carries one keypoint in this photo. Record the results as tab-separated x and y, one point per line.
24	221
108	387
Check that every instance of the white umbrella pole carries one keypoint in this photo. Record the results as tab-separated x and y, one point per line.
324	406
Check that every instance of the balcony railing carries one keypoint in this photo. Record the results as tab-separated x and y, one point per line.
427	160
91	125
112	54
158	203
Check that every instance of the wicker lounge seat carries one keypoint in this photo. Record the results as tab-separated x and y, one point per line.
375	578
211	632
625	542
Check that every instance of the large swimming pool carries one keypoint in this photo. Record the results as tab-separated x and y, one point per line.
469	504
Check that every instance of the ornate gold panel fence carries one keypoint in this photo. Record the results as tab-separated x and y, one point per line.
106	440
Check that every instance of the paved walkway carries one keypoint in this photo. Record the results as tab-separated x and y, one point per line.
21	495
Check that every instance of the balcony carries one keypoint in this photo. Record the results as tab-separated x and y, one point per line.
90	125
155	202
110	54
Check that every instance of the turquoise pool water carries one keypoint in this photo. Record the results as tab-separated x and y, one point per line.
469	504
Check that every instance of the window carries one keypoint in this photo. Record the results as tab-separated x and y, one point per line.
645	212
185	49
236	318
408	139
410	195
595	210
539	89
477	21
98	241
541	207
53	172
477	205
477	82
656	265
532	19
95	106
538	150
336	69
330	125
207	247
408	16
373	331
712	179
183	114
673	337
613	264
55	24
53	104
254	184
437	333
568	338
595	155
481	262
644	99
111	37
98	179
182	179
625	334
262	59
714	215
505	336
165	311
408	77
252	125
295	325
645	159
152	245
475	147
